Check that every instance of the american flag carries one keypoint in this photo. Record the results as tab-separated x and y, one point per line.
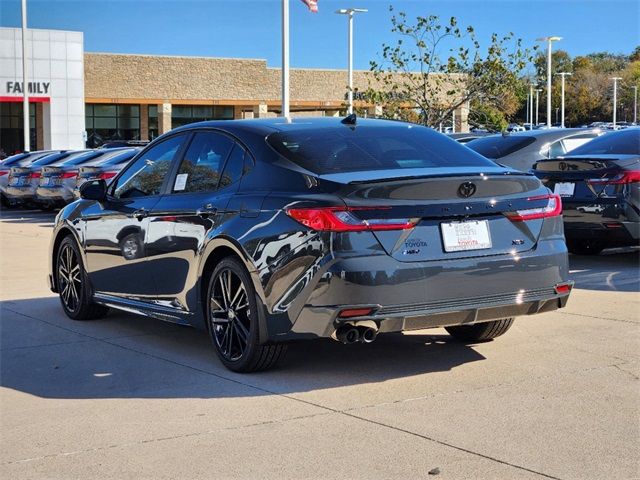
312	4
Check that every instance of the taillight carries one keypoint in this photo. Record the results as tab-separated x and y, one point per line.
34	175
69	175
107	175
355	312
552	209
623	178
4	172
563	287
341	219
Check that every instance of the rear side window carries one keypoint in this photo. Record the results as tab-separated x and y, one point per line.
234	167
625	142
146	175
499	146
343	149
205	158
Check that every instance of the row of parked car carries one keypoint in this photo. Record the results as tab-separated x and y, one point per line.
52	178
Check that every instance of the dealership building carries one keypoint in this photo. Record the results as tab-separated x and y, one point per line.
80	99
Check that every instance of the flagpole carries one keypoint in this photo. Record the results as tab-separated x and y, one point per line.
285	58
25	82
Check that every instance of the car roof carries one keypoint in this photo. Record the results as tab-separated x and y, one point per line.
553	133
281	124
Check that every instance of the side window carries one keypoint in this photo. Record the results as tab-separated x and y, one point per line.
234	168
145	176
200	168
556	149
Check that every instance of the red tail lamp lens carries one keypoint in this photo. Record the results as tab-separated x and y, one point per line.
355	312
552	209
563	288
341	219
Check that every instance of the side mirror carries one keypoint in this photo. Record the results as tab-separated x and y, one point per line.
94	190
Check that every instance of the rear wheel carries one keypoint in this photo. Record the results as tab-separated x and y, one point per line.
234	313
585	247
73	285
480	332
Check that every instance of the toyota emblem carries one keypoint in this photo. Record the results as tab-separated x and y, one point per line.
466	189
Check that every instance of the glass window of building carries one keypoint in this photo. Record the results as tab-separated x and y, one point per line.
153	121
185	114
111	122
11	133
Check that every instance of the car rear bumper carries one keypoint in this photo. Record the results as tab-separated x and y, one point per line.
611	232
416	295
54	194
20	193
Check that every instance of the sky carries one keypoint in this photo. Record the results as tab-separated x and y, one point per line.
251	28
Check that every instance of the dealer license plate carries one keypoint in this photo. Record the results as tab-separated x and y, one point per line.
460	236
564	189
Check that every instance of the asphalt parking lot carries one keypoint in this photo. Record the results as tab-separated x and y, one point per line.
128	397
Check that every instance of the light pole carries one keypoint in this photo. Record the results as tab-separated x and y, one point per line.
531	108
635	104
538	90
349	12
25	81
615	98
549	40
562	75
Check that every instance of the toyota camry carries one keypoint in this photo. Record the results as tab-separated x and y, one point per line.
264	231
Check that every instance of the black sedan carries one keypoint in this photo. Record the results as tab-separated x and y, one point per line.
264	231
600	186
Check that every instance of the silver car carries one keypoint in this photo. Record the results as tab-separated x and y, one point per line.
104	167
521	150
58	180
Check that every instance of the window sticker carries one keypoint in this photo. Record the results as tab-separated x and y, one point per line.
181	182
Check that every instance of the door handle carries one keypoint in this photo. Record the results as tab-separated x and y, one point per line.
140	213
206	210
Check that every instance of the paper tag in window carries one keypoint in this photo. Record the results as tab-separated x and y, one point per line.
181	182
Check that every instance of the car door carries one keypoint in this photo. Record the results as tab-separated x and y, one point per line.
116	229
196	204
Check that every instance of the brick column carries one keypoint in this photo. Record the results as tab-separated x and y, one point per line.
260	111
375	111
462	118
39	126
237	112
144	121
164	118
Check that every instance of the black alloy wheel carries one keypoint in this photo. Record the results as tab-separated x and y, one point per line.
233	319
72	283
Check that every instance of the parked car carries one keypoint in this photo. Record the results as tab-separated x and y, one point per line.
467	137
20	159
105	167
600	186
264	231
521	150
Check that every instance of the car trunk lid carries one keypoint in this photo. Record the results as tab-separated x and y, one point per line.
457	213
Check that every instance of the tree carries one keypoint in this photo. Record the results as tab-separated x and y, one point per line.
414	78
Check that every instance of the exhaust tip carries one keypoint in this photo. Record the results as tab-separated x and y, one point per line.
348	335
368	335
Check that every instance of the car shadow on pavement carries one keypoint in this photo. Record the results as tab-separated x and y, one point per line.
612	270
45	354
45	219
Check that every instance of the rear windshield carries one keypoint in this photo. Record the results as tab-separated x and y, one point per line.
624	142
499	146
364	148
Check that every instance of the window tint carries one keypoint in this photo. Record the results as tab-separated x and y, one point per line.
556	149
363	148
200	169
498	146
625	142
234	167
145	176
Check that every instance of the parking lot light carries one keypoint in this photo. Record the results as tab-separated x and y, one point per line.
350	12
549	40
562	75
615	98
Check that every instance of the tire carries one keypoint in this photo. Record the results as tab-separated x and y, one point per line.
480	332
131	247
585	247
73	284
234	315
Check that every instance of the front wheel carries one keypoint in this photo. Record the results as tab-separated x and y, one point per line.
480	332
73	284
234	313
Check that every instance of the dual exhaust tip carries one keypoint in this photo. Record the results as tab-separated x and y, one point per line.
350	334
